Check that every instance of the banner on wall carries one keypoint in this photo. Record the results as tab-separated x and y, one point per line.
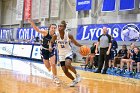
55	8
19	8
28	33
108	5
83	5
35	9
6	34
22	50
127	4
44	9
6	49
120	32
27	9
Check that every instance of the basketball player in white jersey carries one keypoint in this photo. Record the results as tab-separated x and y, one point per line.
63	40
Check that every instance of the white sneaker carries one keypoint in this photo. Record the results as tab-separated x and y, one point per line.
78	78
56	80
73	83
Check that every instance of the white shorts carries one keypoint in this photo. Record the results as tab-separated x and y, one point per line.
65	56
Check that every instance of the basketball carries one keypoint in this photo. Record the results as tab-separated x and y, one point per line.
84	50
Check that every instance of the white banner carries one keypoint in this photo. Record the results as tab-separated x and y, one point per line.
35	9
44	9
19	9
22	50
6	49
55	8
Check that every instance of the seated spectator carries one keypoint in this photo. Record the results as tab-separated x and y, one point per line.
129	55
90	57
135	59
122	54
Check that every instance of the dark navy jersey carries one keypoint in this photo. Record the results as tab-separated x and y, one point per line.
122	53
131	51
92	49
114	45
46	40
136	57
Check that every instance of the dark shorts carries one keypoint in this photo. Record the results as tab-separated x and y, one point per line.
46	54
137	61
112	54
62	63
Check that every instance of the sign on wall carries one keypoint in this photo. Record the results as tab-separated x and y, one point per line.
6	49
28	33
19	9
83	5
121	32
35	9
22	50
55	8
44	9
6	33
27	9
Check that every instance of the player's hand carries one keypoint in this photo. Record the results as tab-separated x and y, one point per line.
108	52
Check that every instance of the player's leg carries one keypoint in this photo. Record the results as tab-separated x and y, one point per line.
110	63
87	60
47	64
45	56
122	63
70	67
131	65
128	64
54	69
92	60
138	67
65	70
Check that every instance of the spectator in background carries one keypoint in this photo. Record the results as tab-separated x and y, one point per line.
122	57
113	52
90	57
135	59
122	54
130	53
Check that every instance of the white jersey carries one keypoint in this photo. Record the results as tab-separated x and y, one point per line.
63	46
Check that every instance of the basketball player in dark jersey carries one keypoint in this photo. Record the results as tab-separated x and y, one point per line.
46	54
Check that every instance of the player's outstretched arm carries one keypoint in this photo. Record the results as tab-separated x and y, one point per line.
37	29
74	41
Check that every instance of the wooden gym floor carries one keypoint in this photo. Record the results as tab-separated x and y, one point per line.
24	76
